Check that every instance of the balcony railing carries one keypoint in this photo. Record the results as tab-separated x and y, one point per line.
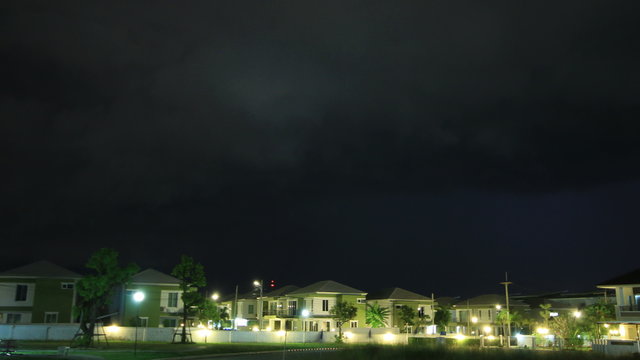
632	307
282	312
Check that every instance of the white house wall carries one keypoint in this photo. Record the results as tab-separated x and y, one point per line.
8	294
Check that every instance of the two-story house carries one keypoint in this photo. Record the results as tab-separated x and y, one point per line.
480	315
41	292
627	288
161	305
395	298
313	304
243	309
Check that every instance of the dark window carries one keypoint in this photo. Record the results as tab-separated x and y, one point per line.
21	293
251	309
421	311
173	300
325	305
14	318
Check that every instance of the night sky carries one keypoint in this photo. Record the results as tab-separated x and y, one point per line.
431	145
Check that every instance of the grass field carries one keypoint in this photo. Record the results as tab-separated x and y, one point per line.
148	351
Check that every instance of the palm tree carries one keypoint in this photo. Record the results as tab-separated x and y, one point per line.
377	316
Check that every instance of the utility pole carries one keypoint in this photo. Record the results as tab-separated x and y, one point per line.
506	284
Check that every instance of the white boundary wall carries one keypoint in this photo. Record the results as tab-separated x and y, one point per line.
67	331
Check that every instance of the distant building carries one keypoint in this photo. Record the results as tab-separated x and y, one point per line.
41	292
480	315
395	298
162	305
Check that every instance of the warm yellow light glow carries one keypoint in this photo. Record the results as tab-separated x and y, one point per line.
460	337
200	326
577	314
542	331
474	319
204	332
606	325
255	328
281	333
113	329
215	297
498	307
614	332
256	283
487	329
268	328
348	334
491	337
622	330
388	337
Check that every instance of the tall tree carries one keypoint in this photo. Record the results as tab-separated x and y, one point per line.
191	276
442	316
377	315
342	312
95	289
594	313
210	310
407	315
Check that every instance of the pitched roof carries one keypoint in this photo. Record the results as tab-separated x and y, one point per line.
489	299
151	276
395	293
630	278
282	291
327	286
41	269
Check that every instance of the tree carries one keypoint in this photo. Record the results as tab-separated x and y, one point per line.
210	310
95	290
512	317
594	313
545	314
342	312
407	315
442	317
377	315
191	276
566	327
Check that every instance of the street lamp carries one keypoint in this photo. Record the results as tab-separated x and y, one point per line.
258	285
138	297
215	297
577	314
305	315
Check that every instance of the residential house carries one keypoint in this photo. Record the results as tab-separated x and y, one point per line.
243	310
161	306
395	298
280	309
313	303
41	292
480	315
627	295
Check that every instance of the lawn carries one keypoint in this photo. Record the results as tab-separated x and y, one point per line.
149	350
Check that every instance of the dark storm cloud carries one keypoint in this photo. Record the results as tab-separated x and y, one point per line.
238	120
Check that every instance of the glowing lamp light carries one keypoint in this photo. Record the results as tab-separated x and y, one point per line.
487	329
459	337
138	296
474	319
614	332
553	314
255	328
348	334
388	337
256	283
498	307
606	325
305	313
113	329
268	328
491	337
542	331
577	314
281	333
215	297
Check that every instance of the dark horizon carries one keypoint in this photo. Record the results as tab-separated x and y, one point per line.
426	145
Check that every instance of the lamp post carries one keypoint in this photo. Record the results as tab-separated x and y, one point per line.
506	284
138	297
258	285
